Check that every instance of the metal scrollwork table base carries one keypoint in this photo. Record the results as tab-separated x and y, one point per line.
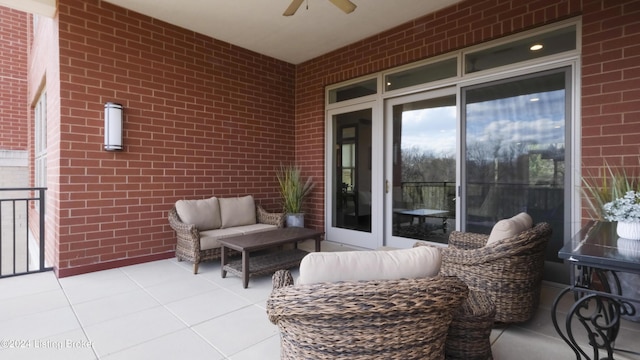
599	301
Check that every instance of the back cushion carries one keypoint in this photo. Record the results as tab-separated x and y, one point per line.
204	214
417	262
509	227
237	211
523	220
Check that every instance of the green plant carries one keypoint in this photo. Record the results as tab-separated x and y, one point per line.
625	209
292	188
614	185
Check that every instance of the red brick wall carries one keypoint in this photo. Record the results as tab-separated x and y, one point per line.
611	86
13	79
611	69
207	118
202	118
459	26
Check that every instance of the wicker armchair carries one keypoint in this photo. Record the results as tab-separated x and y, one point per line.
388	319
509	271
188	237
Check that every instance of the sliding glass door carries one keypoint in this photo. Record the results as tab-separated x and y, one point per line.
420	158
458	142
514	149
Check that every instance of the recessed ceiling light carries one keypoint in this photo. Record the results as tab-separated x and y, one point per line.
536	47
534	99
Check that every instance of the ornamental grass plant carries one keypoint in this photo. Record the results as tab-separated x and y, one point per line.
293	189
601	196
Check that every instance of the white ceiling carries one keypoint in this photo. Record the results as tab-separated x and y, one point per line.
40	7
316	29
258	25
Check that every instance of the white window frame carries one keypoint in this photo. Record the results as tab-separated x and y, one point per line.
40	141
567	58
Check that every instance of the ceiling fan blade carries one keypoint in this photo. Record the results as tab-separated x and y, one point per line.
293	7
344	5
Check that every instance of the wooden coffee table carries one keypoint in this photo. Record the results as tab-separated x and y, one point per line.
270	262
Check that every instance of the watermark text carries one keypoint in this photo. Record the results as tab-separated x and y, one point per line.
44	344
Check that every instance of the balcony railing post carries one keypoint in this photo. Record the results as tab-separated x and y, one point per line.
42	232
12	235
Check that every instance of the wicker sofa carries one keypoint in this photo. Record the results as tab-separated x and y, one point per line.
509	270
199	224
373	319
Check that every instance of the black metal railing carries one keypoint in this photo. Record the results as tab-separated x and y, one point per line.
433	195
19	254
499	199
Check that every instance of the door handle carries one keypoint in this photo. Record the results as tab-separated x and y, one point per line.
386	186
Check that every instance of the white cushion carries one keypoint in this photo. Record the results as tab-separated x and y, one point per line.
204	214
237	211
510	227
417	262
209	239
256	228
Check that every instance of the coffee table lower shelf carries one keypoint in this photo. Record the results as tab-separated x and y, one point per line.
267	263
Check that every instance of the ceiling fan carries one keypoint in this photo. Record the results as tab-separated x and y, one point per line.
344	5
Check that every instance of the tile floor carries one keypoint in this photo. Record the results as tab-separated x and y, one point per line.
160	310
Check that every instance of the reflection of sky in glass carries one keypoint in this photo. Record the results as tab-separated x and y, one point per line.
518	119
507	121
432	130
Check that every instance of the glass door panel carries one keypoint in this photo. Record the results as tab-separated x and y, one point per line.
421	166
352	194
514	150
350	184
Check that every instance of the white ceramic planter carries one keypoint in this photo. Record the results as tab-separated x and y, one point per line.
628	230
629	247
295	220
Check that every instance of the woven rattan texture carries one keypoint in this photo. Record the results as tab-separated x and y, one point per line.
391	319
188	237
268	263
509	271
470	331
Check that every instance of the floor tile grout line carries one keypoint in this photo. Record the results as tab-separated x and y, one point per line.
40	311
75	314
160	304
187	326
141	287
501	337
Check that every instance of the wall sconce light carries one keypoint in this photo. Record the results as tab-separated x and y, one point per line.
113	126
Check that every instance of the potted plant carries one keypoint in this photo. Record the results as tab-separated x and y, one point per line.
616	198
293	190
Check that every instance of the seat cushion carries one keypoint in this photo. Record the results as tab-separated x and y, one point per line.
204	214
237	211
510	227
255	228
209	239
418	262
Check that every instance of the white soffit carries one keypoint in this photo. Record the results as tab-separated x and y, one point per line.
317	28
41	7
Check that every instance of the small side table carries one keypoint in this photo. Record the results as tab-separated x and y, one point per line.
599	301
469	333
